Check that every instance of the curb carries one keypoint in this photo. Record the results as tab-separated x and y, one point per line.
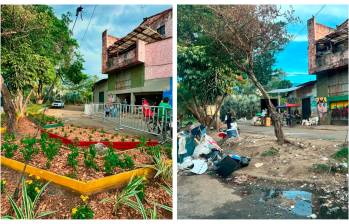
82	187
115	145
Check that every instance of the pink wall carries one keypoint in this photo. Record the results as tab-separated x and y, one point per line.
158	59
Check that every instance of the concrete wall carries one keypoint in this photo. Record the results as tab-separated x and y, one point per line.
133	76
315	32
158	59
102	87
107	40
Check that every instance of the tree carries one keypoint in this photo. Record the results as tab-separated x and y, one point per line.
203	81
245	34
35	44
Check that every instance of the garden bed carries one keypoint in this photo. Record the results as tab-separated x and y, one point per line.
63	201
85	137
60	165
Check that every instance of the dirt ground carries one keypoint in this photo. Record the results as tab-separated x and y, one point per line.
290	163
76	116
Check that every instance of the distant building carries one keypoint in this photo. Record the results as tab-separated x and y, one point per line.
139	65
328	60
304	95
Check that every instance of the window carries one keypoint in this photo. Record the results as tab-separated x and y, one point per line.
161	30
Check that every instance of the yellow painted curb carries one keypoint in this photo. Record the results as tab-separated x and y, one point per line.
85	188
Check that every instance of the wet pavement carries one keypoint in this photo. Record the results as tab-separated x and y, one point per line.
209	197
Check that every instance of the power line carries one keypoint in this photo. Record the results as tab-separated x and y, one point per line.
316	14
83	37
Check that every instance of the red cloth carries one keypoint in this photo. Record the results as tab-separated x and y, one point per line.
146	109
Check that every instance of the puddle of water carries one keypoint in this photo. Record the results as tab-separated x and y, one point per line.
305	203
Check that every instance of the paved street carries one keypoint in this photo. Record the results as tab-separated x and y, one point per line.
324	132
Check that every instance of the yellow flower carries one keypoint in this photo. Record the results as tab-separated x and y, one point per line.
37	177
84	198
3	181
37	189
74	210
29	182
30	175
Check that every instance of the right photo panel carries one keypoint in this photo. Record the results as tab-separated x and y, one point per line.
262	94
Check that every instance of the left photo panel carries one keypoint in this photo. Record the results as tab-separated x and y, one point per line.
86	111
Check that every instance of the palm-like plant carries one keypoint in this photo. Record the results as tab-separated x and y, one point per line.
161	166
28	207
124	197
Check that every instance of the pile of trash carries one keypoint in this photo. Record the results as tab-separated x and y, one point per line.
199	153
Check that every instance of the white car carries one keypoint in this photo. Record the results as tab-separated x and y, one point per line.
58	104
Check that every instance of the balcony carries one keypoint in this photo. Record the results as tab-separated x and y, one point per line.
123	60
327	60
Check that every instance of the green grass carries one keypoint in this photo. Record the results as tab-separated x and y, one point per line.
271	152
341	154
321	168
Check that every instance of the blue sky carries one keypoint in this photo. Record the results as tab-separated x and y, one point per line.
294	58
118	19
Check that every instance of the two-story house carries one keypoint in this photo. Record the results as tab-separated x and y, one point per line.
328	60
139	65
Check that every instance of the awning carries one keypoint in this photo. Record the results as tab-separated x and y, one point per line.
289	105
143	33
284	90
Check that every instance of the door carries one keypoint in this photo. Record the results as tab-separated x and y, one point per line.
306	109
101	97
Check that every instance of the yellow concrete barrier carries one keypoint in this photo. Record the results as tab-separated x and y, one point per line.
86	188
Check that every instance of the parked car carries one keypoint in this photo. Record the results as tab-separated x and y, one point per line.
58	104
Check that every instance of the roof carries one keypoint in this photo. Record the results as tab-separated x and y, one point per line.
307	83
100	82
284	90
338	35
151	19
143	33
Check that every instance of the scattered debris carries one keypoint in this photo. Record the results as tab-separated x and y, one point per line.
258	165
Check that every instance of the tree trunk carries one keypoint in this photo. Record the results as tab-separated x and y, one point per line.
216	112
9	108
275	116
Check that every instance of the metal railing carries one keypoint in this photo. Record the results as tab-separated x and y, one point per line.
148	119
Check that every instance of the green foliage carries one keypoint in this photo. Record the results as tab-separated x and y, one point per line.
128	162
142	142
50	147
341	154
9	145
270	152
35	108
162	167
42	119
29	148
2	185
28	206
72	157
89	158
83	212
153	150
241	106
132	190
112	160
33	188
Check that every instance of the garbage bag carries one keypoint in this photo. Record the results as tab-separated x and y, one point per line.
227	166
201	149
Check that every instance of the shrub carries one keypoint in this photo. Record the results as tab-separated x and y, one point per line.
8	146
111	160
89	157
72	157
28	206
341	154
51	150
29	148
33	187
128	161
82	212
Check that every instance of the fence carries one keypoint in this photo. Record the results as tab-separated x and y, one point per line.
148	119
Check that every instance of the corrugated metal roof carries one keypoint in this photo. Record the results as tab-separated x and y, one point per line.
284	90
143	33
